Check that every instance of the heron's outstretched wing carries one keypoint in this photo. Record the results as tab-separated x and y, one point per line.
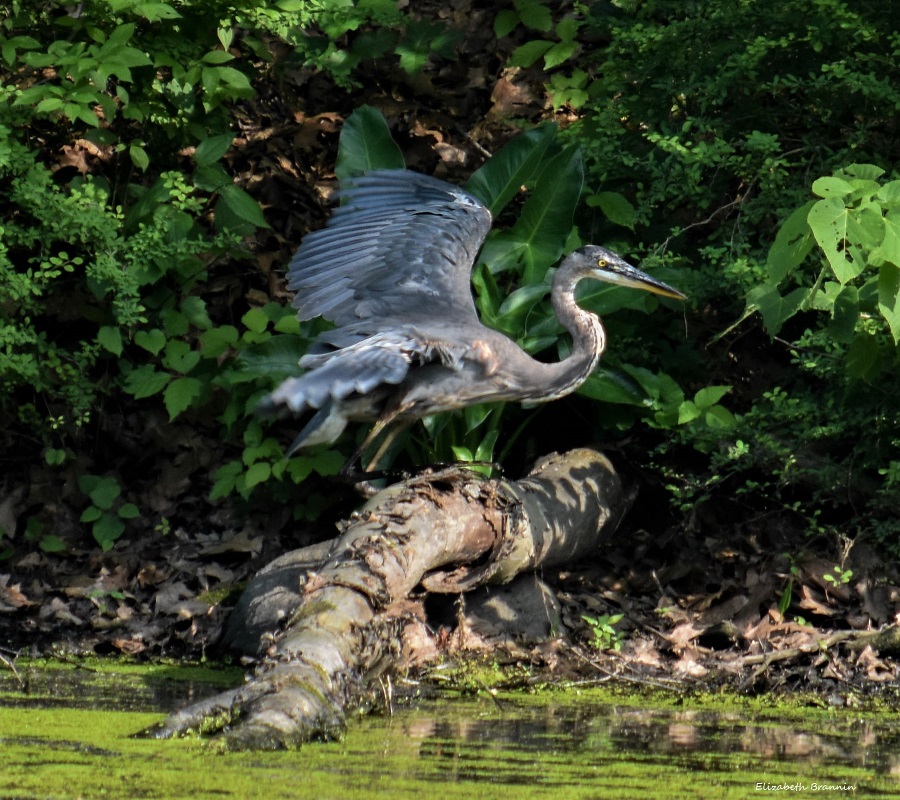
399	249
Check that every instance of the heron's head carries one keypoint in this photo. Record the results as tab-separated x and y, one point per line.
604	265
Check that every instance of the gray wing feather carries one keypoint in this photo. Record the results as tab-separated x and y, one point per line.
334	376
392	270
400	248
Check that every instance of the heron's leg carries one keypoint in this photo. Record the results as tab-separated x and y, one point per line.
388	440
384	421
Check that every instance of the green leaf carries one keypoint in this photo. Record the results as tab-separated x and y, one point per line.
559	53
501	177
328	463
174	322
145	381
210	150
287	324
462	454
274	358
155	11
366	144
538	237
255	320
217	56
14	43
54	457
212	177
864	172
889	297
110	338
225	479
257	473
139	156
52	544
119	37
534	15
107	530
863	357
152	341
718	418
844	314
103	490
615	207
792	244
241	205
216	341
775	309
179	357
831	186
710	395
485	449
194	309
504	23
567	28
889	194
129	511
525	55
611	386
844	236
889	249
688	412
90	514
179	395
235	79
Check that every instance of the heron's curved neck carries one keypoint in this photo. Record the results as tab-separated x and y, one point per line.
588	336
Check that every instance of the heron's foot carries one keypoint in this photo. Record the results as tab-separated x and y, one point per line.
364	482
489	469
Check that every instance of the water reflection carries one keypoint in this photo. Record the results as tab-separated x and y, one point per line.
529	747
698	739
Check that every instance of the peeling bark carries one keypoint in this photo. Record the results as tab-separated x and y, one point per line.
340	609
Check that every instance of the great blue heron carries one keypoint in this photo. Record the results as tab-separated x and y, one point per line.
391	270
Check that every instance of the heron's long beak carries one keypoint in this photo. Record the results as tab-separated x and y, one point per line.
626	275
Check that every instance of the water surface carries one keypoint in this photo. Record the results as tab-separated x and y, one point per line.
65	733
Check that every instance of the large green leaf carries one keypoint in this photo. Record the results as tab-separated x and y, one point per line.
845	235
546	219
774	308
889	298
366	144
501	177
179	394
538	238
792	244
889	250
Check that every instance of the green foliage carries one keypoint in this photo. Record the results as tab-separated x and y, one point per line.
855	226
366	144
106	513
99	277
833	268
604	633
677	170
839	577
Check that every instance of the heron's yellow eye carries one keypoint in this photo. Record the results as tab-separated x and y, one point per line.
601	262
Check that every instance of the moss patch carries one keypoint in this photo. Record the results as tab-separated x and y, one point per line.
560	745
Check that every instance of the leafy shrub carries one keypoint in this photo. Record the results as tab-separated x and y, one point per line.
837	424
702	123
103	278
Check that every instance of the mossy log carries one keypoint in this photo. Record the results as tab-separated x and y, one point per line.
332	618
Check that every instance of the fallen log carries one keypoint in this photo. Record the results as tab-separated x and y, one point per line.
331	619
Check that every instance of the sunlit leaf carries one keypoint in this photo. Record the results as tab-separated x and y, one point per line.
366	144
